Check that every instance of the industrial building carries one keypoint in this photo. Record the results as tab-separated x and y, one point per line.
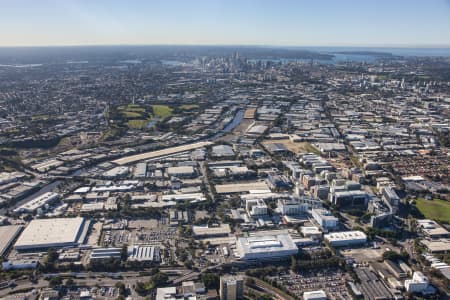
315	295
231	287
417	284
311	232
105	253
206	231
159	153
43	234
432	229
140	171
7	236
37	203
346	238
232	188
144	253
117	172
266	247
182	171
222	151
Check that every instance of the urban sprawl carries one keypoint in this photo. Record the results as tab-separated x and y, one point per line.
225	176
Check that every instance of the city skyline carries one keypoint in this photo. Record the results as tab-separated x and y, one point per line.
269	23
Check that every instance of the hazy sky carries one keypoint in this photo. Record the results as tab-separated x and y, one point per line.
249	22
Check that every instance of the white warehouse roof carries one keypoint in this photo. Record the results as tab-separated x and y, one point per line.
345	236
266	247
48	233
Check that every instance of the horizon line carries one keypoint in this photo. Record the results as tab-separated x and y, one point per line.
387	46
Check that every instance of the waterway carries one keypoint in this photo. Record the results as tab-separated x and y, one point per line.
235	122
237	119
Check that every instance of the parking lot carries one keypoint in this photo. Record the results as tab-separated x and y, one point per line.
331	280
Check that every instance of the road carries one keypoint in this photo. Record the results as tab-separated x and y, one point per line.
204	171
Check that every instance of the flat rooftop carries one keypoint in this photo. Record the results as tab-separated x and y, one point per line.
158	153
345	235
7	235
46	233
241	187
265	244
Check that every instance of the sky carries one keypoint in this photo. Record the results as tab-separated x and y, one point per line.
399	23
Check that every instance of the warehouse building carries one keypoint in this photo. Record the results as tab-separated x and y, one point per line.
417	284
432	229
207	232
222	151
105	253
7	236
43	234
37	203
144	253
117	172
346	238
266	247
315	295
140	171
182	171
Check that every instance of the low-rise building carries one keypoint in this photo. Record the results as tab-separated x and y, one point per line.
315	295
346	238
417	284
214	231
324	218
266	247
255	207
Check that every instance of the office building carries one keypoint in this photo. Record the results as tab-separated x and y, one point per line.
231	287
324	218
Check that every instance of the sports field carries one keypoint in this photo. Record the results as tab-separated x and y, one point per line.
436	209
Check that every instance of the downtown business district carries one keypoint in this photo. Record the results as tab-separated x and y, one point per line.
225	177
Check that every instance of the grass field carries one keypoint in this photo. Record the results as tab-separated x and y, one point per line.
162	111
137	124
132	114
189	106
436	209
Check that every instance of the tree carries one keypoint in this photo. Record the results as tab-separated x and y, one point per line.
394	256
124	252
70	283
160	279
211	280
55	281
121	287
52	256
293	263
